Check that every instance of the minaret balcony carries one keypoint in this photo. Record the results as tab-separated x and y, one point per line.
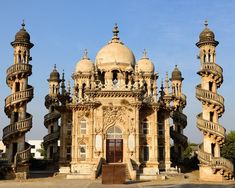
19	96
51	118
18	127
52	137
222	163
217	163
211	127
179	138
214	69
19	69
210	97
23	156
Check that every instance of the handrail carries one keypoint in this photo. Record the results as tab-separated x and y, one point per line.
131	170
19	67
51	136
209	95
21	125
212	66
22	156
20	95
211	126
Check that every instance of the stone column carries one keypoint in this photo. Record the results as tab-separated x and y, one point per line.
167	143
137	127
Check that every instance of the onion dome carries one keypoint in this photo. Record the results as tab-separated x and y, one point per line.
207	36
85	65
145	65
54	76
22	36
115	55
176	74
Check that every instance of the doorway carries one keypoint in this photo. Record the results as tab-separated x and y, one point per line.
14	150
114	150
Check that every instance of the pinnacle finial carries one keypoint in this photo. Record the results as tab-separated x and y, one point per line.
206	23
23	24
115	32
85	54
145	54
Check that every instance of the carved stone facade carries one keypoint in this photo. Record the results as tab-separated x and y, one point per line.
116	115
212	166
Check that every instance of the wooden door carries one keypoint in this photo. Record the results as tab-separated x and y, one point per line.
114	150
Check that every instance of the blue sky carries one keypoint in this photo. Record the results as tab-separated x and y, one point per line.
62	29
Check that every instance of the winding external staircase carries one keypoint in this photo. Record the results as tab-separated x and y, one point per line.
179	118
14	102
212	129
49	119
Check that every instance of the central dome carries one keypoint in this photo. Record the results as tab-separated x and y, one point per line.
115	55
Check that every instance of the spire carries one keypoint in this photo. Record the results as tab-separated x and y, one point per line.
162	93
69	88
54	69
23	24
85	56
206	23
167	84
145	54
63	91
115	37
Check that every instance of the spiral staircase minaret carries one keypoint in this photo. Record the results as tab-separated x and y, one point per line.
50	141
17	150
212	165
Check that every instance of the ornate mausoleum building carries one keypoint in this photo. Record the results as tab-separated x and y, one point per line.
117	115
212	166
17	150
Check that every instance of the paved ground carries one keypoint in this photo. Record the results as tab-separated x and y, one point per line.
61	182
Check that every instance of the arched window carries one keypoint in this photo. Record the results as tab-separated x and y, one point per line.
145	126
83	126
24	57
82	151
114	132
19	56
204	56
83	89
209	56
115	77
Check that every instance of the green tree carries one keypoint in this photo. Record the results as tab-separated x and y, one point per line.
188	151
42	151
228	150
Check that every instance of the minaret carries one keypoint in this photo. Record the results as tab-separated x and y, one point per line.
179	119
212	166
50	141
17	150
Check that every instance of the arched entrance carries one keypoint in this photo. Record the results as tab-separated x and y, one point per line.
114	145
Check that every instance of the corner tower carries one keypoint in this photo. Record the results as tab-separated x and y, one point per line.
17	150
50	141
212	166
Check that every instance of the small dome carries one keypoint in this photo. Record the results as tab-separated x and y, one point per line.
22	36
176	74
54	76
85	64
144	64
115	53
207	36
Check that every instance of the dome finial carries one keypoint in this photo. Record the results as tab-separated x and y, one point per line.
206	23
145	54
115	32
23	24
54	67
85	56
